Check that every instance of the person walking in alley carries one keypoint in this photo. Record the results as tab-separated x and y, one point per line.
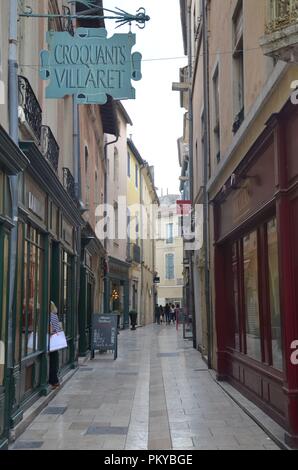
157	314
161	314
177	314
168	313
172	313
54	356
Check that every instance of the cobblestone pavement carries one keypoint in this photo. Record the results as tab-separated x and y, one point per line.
157	395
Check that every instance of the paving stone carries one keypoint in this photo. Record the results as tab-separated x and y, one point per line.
23	445
54	410
157	413
79	426
51	444
145	400
106	430
180	443
33	435
169	354
159	444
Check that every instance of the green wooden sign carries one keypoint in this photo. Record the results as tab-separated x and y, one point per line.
90	66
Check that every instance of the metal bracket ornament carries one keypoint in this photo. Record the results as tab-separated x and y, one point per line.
120	16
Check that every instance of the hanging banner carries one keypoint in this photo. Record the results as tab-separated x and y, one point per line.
90	66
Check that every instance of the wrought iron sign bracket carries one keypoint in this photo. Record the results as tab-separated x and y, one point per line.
119	16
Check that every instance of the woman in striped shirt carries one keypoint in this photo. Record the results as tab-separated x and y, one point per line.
54	356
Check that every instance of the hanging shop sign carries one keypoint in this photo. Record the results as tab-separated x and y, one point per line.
90	66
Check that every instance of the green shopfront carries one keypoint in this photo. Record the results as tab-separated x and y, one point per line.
47	267
12	161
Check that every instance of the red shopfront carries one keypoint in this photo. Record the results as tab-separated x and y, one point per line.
256	272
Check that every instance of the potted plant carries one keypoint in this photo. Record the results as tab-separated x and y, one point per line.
133	319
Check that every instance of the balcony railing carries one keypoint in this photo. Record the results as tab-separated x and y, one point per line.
134	253
50	147
69	183
283	13
30	106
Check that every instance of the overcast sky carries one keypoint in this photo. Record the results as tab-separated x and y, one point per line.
156	112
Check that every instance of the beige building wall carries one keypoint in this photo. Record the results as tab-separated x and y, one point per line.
169	290
134	239
117	184
267	86
92	184
57	114
149	200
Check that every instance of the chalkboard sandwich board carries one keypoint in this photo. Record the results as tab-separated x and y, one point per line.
105	333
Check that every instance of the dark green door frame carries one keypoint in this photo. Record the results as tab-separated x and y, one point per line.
4	387
86	309
83	313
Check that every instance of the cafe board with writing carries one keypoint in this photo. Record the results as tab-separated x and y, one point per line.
105	333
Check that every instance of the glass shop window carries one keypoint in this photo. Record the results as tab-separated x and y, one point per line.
255	257
33	266
67	281
235	267
251	295
276	334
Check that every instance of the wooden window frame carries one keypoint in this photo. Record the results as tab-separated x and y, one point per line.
67	324
23	353
263	294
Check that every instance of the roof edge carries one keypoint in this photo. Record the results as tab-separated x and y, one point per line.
124	113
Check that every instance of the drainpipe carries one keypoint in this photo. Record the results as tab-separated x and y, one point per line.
77	179
14	183
143	291
76	151
106	278
76	141
191	302
14	134
206	177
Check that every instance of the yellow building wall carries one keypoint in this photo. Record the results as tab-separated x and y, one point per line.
133	192
148	249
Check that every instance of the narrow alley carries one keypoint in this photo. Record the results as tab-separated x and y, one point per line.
158	394
148	180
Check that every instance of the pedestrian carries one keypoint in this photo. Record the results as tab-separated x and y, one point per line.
172	313
161	314
54	356
157	314
177	314
168	313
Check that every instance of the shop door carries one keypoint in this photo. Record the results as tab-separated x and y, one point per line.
89	313
4	269
61	294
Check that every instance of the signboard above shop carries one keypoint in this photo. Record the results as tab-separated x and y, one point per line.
90	66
